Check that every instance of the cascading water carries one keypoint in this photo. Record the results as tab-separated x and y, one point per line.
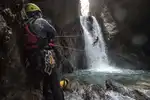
96	53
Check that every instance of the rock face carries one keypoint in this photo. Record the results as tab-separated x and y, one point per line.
75	53
129	15
12	71
127	26
61	12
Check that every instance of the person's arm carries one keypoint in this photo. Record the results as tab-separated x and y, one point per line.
44	31
50	30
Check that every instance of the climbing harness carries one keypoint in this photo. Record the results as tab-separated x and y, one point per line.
52	61
51	44
49	62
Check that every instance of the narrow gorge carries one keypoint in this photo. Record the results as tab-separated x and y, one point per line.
103	48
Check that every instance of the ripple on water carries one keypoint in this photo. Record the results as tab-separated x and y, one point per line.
98	76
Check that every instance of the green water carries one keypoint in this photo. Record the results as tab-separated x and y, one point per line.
126	77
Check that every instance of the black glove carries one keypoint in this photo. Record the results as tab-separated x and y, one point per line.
42	42
50	36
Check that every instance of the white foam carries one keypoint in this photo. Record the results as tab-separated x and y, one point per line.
117	96
105	68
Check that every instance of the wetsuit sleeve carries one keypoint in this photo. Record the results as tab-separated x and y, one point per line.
43	29
50	30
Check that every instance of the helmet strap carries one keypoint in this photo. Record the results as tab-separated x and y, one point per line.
35	14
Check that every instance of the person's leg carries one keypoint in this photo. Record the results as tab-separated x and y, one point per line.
34	74
55	86
34	77
46	89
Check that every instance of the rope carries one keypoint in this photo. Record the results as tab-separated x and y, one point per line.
68	36
50	44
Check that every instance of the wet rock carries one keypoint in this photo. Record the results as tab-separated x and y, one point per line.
12	78
77	89
133	93
123	23
72	46
111	85
139	40
67	66
127	61
84	92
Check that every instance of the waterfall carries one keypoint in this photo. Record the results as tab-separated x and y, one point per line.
94	42
94	52
84	7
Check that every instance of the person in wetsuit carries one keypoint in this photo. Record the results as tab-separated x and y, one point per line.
38	33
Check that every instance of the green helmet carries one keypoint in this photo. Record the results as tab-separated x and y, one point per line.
31	7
